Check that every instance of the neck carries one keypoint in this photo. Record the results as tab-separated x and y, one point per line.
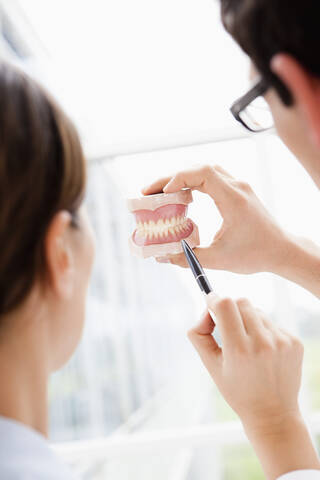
23	373
310	160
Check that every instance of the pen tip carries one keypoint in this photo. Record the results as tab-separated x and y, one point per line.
184	244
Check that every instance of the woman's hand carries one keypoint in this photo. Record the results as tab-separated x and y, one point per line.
258	369
258	372
249	239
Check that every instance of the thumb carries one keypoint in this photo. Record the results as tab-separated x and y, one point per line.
209	257
203	341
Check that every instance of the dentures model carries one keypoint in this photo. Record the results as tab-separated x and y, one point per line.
162	224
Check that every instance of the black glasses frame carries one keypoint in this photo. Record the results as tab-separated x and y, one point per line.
242	103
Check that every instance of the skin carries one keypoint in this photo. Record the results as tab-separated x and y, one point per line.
42	333
253	349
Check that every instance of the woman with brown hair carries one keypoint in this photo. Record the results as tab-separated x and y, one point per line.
46	254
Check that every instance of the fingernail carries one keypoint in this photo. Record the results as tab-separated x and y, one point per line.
163	260
213	295
167	186
211	298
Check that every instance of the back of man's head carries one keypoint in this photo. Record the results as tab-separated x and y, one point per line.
265	27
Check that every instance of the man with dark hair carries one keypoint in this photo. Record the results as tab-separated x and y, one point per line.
258	368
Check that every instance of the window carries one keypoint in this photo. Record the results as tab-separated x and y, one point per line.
149	389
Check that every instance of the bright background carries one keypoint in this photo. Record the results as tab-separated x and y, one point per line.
149	84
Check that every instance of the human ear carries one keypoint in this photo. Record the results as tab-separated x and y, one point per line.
59	255
305	89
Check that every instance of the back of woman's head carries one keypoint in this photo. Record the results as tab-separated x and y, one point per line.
42	171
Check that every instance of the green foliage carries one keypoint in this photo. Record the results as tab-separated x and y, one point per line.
241	462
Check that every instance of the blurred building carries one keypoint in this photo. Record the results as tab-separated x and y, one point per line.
136	323
137	310
19	42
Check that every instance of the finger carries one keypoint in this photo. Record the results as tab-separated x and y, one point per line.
209	257
203	341
228	320
252	320
178	259
224	172
156	187
272	327
205	326
278	334
205	179
292	338
162	259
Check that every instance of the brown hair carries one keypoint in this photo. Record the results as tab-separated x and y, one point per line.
42	171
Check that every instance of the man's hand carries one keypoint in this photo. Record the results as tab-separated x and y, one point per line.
258	372
249	239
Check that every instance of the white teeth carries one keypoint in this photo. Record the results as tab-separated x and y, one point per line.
162	227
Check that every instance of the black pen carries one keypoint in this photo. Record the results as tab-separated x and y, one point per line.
199	274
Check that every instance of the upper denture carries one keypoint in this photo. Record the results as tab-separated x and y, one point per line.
153	202
166	212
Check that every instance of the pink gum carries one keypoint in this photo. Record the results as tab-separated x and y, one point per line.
164	212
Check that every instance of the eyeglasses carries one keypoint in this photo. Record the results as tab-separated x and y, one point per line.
252	111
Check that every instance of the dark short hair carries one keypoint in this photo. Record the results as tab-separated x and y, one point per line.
42	171
263	28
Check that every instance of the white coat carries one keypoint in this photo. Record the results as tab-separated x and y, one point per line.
26	455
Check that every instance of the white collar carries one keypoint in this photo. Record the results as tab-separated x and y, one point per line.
25	453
